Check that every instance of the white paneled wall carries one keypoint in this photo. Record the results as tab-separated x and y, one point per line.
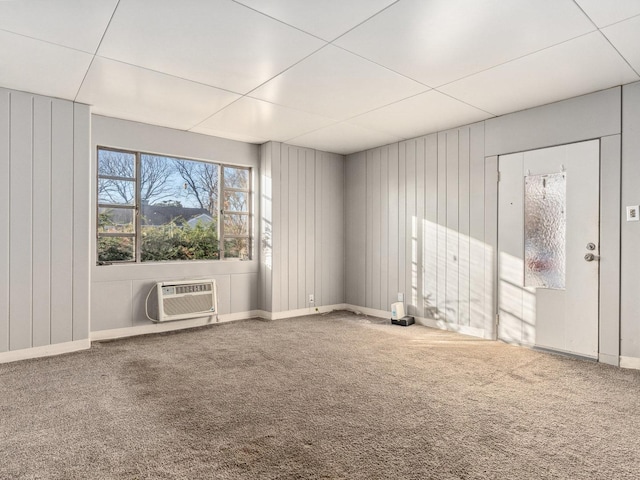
237	281
44	221
302	228
415	224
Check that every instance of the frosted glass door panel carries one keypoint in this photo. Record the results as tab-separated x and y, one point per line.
545	226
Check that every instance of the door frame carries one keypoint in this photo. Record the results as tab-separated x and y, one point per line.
610	229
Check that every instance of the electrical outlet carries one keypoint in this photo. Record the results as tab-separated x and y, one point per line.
311	300
401	297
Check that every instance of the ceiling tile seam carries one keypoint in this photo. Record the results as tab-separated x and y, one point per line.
67	47
466	103
384	66
608	24
585	14
604	35
247	94
166	74
364	21
535	52
278	20
96	50
413	96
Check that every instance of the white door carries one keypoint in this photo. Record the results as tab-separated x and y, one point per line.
548	243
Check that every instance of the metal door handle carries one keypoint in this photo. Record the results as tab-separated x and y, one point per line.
590	257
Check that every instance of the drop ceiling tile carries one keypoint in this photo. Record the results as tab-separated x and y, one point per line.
257	118
625	36
343	138
337	84
73	23
116	89
605	13
221	43
40	67
327	19
440	41
230	136
425	113
577	67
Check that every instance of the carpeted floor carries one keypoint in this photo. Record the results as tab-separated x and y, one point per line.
335	396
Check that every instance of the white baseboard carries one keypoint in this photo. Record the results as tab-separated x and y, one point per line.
630	362
427	322
301	312
44	351
171	326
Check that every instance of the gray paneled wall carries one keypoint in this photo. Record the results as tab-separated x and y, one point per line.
44	221
302	228
415	224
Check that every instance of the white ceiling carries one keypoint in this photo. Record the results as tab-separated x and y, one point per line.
337	75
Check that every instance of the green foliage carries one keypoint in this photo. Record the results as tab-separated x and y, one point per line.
171	242
115	249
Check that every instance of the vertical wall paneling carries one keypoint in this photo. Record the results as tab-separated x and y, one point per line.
369	273
285	209
277	237
319	243
310	226
332	229
419	222
452	289
292	224
610	250
266	228
393	209
376	193
62	222
477	247
402	223
356	200
491	244
441	269
5	176
82	231
41	293
383	213
411	240
21	221
629	231
430	226
463	226
301	214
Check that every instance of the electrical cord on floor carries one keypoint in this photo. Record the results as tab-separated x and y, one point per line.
146	304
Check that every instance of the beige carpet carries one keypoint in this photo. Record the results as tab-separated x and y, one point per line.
333	396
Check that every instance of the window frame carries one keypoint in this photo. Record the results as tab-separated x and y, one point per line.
137	204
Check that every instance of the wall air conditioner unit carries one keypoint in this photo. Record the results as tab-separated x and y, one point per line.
186	299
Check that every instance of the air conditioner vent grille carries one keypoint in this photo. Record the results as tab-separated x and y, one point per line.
187	304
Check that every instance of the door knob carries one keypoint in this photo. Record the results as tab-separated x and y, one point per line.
590	257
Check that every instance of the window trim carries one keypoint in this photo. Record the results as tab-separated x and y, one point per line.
136	207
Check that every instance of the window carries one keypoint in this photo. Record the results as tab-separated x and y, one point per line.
158	208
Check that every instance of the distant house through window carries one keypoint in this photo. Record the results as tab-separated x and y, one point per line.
159	208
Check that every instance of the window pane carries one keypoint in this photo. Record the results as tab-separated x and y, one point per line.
545	231
116	164
236	178
236	248
173	242
236	201
116	249
116	192
236	224
177	182
116	220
